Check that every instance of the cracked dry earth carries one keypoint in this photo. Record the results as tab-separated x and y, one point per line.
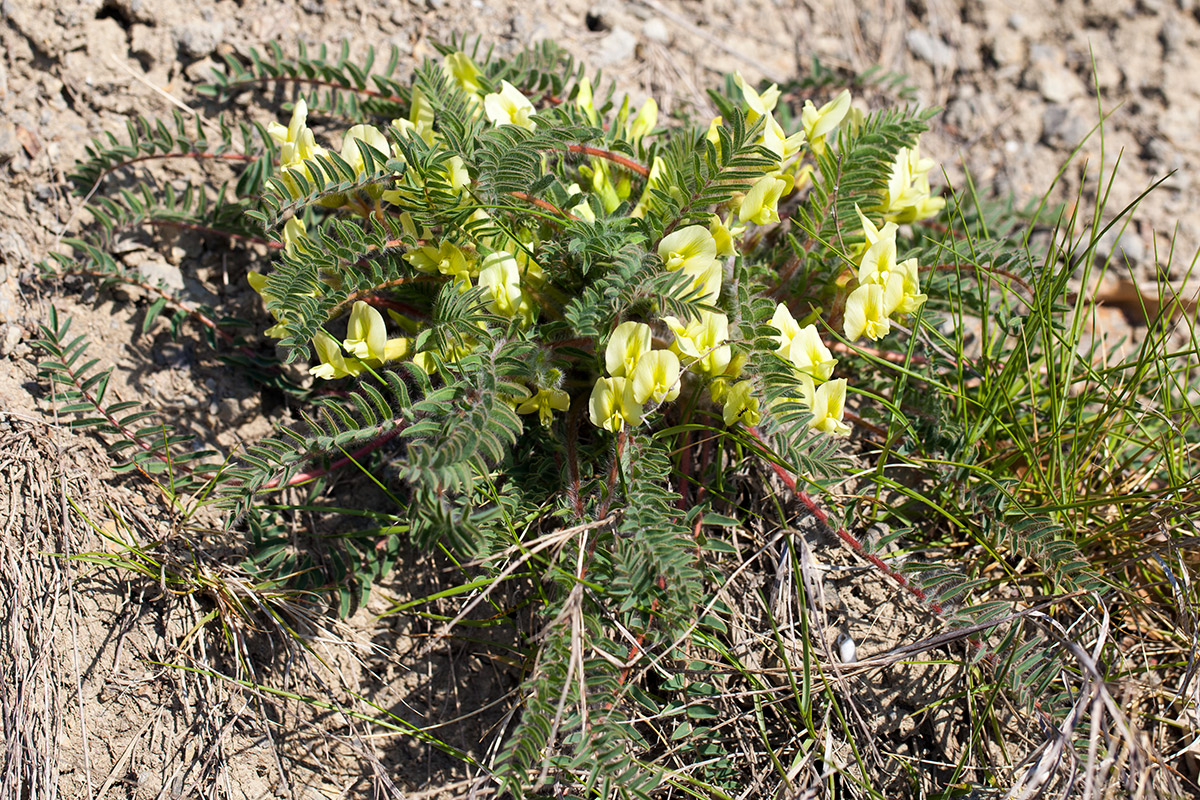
1022	83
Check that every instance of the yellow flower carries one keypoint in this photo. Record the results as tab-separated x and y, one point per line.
605	404
655	378
783	146
828	408
802	346
741	405
583	99
293	231
756	104
501	277
333	363
868	309
628	343
459	67
296	145
878	262
871	233
545	402
908	196
703	340
760	205
644	121
446	258
509	107
692	249
724	236
653	181
818	123
366	332
368	135
712	135
879	266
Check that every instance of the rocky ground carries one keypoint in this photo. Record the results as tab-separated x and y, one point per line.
1023	83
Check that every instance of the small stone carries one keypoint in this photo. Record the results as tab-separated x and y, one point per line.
1055	82
655	30
1008	48
135	10
617	47
156	272
199	39
929	48
1173	38
144	42
1062	127
10	337
1124	246
8	141
229	409
399	15
200	71
14	249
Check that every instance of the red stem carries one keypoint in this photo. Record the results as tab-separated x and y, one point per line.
543	204
846	536
616	158
313	474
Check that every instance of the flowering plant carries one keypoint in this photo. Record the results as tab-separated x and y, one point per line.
535	306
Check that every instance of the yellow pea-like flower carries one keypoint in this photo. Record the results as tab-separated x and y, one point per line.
820	122
741	405
501	277
509	107
333	363
655	378
756	104
459	67
692	250
783	146
761	203
703	341
366	332
446	258
545	403
368	135
644	121
868	309
828	408
605	404
628	343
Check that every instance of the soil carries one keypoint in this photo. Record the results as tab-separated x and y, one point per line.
98	714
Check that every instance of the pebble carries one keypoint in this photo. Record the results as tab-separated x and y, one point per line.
10	337
199	39
655	30
929	48
8	141
1123	247
616	47
155	271
1054	82
1062	127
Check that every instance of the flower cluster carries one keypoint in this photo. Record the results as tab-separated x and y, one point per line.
500	260
813	365
886	287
